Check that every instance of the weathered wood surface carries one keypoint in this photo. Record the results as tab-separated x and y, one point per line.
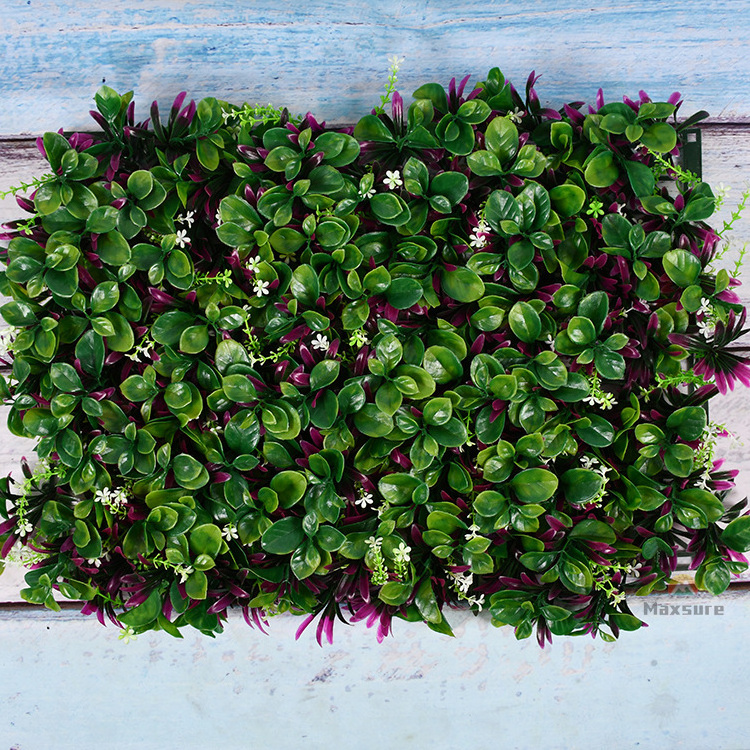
67	683
331	58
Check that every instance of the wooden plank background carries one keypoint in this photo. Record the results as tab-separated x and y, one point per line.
330	57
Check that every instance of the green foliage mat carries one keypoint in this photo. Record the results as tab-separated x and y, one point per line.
454	356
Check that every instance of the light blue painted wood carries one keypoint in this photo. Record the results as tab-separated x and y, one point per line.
67	683
330	56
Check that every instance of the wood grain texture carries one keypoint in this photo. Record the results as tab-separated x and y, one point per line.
726	160
331	58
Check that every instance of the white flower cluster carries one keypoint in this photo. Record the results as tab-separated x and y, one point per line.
395	62
358	339
598	397
127	634
181	237
479	234
603	579
365	499
461	584
141	350
707	322
473	532
23	556
114	500
7	336
186	218
379	573
402	557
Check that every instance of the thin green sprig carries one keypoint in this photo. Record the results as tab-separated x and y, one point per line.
390	86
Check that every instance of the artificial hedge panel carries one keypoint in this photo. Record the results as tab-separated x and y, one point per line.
454	356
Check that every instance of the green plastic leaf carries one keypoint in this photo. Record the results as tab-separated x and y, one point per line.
283	537
581	486
737	534
404	293
324	373
462	284
682	267
660	137
188	472
525	322
568	199
602	170
534	485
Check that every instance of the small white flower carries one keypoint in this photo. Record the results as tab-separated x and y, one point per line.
369	194
402	553
515	115
364	500
142	350
373	542
118	497
25	528
95	561
181	238
462	581
185	571
589	462
218	216
618	597
358	339
706	330
473	532
187	218
261	287
101	496
7	336
252	264
127	635
393	179
478	601
321	342
395	61
229	532
479	234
